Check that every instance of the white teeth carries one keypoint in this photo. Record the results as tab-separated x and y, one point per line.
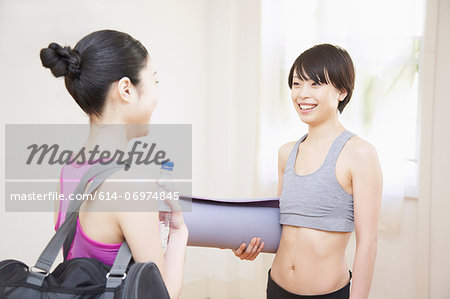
306	107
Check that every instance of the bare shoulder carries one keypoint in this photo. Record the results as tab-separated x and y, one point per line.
130	180
283	155
361	152
285	150
131	187
361	147
127	178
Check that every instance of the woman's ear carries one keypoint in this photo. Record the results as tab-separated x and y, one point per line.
126	89
342	95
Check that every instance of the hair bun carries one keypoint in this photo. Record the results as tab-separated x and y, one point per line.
62	61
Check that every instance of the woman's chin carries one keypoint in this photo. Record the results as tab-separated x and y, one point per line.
306	118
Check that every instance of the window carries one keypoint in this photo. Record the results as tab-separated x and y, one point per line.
383	38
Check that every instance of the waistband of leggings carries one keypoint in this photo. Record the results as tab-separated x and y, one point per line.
292	295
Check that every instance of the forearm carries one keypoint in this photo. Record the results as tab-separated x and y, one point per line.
363	268
174	261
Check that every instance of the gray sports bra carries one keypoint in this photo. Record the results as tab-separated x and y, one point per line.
317	200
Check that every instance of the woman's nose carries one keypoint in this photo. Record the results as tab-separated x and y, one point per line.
303	92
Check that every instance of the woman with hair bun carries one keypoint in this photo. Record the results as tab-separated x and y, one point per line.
329	184
111	77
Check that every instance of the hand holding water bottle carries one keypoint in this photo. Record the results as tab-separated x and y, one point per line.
169	208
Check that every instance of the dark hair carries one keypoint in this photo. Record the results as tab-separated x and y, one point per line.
328	64
97	60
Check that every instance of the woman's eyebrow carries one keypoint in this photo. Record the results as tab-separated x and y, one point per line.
300	78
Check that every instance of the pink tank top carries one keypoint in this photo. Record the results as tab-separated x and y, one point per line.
82	245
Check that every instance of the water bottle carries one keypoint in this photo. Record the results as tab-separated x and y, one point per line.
165	186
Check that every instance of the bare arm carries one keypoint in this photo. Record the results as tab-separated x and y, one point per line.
283	155
367	186
141	231
174	257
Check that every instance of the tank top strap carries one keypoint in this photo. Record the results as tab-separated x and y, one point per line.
70	176
336	148
291	160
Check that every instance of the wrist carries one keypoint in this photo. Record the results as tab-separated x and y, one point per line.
181	230
179	236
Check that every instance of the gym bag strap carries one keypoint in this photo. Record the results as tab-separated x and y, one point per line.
81	278
82	184
98	173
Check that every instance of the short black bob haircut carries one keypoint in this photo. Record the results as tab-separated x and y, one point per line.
327	64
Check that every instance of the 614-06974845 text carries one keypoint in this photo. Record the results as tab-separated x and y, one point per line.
138	195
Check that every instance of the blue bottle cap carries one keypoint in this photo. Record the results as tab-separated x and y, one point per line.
168	165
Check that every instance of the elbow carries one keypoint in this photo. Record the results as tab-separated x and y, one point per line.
173	287
174	292
370	242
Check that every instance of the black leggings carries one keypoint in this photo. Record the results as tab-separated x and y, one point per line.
274	291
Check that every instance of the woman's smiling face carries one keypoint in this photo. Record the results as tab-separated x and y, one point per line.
323	77
314	101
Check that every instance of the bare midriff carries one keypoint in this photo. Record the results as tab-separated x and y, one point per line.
311	261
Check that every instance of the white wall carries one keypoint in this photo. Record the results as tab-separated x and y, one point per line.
174	32
207	54
434	237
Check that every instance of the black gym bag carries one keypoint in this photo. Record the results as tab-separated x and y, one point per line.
81	277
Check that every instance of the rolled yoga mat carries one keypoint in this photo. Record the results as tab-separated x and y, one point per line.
227	223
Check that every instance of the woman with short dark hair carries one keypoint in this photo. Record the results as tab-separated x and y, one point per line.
329	183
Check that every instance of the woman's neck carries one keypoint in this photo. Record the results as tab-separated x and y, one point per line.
324	132
112	137
107	137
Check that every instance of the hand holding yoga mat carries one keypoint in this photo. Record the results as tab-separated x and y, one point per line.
227	223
